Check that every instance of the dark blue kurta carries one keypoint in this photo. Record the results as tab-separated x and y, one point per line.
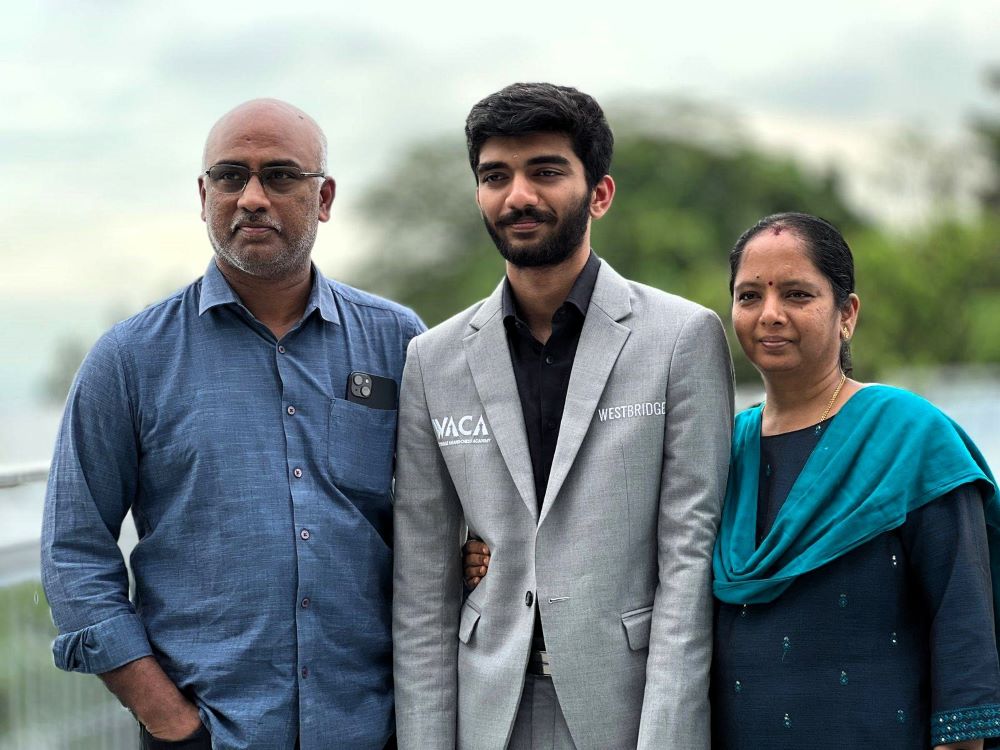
870	649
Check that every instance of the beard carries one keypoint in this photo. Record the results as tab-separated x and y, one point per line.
561	243
260	262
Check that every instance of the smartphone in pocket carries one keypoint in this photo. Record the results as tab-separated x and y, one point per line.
370	390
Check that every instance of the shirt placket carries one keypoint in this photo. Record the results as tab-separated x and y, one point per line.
298	421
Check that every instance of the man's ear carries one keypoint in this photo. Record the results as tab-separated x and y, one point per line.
601	197
201	194
327	192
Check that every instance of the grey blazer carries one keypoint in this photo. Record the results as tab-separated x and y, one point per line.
618	560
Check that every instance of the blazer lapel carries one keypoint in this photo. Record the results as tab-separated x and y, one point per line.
601	341
489	360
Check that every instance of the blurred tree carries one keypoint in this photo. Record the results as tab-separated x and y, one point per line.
987	128
930	298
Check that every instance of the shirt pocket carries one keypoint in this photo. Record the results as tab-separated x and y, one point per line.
362	442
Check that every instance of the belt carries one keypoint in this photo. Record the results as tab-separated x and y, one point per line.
538	664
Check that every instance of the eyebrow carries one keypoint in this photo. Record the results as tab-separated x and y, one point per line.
272	163
534	161
783	284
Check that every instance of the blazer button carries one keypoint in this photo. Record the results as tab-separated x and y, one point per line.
529	599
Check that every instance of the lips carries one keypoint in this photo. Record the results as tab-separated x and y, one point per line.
773	342
524	226
252	229
525	220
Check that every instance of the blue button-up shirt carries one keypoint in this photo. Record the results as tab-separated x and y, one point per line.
262	500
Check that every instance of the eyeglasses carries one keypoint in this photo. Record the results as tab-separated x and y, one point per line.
233	178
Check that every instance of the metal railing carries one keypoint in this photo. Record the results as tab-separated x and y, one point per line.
13	476
42	708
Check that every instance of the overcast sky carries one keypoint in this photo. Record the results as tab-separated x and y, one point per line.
106	106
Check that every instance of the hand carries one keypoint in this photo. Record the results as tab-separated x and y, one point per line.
477	561
144	688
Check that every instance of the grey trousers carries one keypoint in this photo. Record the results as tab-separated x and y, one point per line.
539	724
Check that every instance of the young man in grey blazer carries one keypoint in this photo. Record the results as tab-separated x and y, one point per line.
579	424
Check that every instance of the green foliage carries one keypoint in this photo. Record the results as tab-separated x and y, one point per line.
932	298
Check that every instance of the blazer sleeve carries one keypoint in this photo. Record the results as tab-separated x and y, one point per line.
427	580
696	447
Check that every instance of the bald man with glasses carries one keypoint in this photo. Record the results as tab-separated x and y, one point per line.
248	421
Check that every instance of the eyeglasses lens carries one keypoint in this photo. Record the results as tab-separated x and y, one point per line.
232	178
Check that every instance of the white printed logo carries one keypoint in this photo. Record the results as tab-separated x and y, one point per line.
464	430
645	409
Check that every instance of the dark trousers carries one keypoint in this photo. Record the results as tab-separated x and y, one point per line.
200	740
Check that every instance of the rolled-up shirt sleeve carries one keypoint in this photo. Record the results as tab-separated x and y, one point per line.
92	483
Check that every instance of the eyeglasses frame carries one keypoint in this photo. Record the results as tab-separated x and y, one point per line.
258	173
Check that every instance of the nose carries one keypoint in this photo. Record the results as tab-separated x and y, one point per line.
772	311
522	193
254	197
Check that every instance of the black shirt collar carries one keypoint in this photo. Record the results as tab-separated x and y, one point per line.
579	295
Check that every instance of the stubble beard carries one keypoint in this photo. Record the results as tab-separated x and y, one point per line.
271	266
550	251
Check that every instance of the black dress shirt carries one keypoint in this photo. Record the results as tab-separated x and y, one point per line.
542	370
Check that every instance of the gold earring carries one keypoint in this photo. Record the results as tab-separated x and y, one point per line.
847	333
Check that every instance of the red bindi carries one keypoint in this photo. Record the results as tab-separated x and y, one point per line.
770	283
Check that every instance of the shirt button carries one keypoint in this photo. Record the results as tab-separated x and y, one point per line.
281	349
305	603
290	410
304	533
551	424
529	599
305	671
298	473
549	360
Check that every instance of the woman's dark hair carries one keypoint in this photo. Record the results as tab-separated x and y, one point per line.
827	249
523	108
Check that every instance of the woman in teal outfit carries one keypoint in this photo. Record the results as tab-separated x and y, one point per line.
858	560
856	603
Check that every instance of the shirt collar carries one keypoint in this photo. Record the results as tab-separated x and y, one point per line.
321	298
215	291
579	294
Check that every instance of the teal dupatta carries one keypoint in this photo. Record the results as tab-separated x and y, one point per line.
886	453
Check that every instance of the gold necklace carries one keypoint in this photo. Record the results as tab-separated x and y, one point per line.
833	398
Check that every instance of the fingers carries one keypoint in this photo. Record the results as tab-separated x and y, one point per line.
476	565
476	546
476	561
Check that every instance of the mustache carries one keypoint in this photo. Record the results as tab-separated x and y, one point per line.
525	213
254	220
